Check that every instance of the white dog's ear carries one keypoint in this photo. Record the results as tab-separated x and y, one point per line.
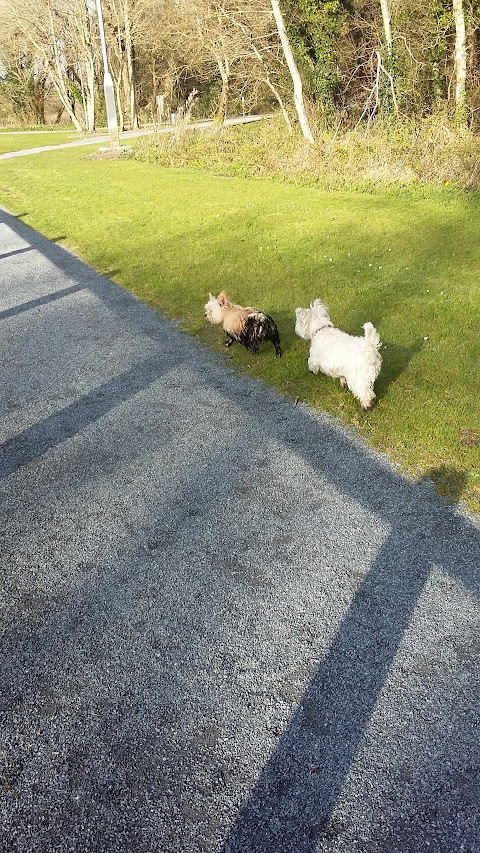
210	297
298	311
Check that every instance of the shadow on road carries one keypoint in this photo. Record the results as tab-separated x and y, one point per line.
291	804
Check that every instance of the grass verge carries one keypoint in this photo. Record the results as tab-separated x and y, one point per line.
398	153
408	260
20	141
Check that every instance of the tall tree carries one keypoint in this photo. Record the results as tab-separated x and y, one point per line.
292	67
387	26
460	59
263	59
60	35
120	18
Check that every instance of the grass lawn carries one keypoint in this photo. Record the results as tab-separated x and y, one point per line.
15	141
408	260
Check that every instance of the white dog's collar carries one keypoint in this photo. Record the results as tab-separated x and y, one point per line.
321	329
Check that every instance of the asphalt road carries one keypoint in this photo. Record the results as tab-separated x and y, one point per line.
226	625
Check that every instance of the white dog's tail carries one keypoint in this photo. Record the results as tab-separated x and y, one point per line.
362	379
372	338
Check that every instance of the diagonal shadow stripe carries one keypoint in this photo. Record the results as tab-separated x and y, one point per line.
293	800
16	252
117	300
64	424
290	806
42	300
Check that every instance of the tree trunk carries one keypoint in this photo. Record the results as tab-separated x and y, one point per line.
62	93
39	98
387	25
90	95
86	37
222	104
297	82
117	68
117	83
130	52
261	60
387	68
58	77
460	58
277	95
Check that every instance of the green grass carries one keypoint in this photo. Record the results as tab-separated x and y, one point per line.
42	128
408	260
19	141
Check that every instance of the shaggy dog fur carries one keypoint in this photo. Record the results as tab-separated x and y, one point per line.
248	326
354	360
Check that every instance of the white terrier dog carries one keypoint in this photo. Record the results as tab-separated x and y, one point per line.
354	360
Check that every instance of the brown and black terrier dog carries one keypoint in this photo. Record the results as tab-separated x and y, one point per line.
248	326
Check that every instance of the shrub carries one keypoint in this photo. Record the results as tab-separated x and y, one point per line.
430	152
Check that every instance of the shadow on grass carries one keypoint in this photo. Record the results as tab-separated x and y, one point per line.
112	271
449	482
396	359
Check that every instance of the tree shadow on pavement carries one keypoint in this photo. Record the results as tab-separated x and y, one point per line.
294	798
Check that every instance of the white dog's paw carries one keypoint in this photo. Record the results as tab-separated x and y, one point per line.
369	403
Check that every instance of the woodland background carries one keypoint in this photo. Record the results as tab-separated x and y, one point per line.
358	61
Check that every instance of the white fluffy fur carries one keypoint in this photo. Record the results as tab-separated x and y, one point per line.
355	361
214	311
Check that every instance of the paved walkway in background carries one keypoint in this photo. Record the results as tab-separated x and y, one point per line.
130	134
226	625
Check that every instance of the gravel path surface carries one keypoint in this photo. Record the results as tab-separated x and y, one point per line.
226	625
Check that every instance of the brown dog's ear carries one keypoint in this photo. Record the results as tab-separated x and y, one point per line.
222	298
